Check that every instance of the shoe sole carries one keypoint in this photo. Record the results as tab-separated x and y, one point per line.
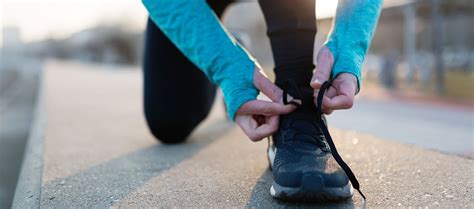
312	188
314	194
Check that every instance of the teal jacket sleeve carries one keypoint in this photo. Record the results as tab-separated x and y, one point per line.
196	31
351	35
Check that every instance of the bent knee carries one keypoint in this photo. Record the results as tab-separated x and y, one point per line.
170	132
172	126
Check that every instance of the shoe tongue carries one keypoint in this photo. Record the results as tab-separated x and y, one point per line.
307	111
307	99
305	126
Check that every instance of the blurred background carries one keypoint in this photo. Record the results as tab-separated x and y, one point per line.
418	76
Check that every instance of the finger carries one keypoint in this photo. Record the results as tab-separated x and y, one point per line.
266	129
327	111
340	102
267	87
324	63
330	93
325	107
265	108
344	99
256	132
247	124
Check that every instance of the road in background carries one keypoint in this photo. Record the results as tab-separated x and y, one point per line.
445	129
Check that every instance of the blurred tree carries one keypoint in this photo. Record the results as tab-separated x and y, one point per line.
409	12
437	26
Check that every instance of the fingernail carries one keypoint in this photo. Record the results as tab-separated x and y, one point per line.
317	81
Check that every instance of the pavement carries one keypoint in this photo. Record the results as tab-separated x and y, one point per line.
443	128
99	153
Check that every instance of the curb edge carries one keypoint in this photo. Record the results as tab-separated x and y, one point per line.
28	188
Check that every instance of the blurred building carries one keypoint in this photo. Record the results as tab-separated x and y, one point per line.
11	43
102	44
411	25
405	32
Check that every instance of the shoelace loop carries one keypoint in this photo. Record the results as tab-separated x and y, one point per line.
330	142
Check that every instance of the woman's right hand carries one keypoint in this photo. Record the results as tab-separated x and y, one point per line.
258	118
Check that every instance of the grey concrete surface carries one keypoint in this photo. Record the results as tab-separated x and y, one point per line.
99	153
445	129
18	89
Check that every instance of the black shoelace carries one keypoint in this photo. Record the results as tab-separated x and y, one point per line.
324	128
330	142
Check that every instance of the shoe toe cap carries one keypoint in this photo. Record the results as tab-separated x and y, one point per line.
312	179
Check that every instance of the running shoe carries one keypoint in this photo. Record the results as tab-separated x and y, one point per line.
302	156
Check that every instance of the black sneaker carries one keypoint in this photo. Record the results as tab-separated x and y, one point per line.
301	156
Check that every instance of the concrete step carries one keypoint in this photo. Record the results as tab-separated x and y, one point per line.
99	153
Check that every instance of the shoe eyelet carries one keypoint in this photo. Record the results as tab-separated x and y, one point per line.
325	146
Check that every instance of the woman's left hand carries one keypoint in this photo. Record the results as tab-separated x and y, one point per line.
341	94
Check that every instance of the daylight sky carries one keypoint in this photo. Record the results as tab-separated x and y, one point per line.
40	19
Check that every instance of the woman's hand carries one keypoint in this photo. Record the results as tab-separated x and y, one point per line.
258	118
340	95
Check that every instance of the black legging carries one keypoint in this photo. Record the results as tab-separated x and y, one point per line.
178	96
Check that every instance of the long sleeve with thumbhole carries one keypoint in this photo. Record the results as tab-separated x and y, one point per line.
354	26
196	31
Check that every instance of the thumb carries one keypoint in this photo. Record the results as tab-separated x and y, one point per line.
324	63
